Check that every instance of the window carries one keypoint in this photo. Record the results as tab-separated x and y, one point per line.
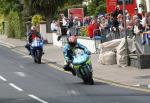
127	2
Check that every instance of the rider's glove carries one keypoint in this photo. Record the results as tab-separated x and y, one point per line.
88	52
69	61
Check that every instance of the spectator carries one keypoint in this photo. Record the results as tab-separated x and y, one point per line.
143	21
86	21
137	28
121	25
115	28
96	27
129	25
91	28
64	22
76	25
103	25
129	21
54	26
137	14
117	11
148	21
109	18
69	27
58	27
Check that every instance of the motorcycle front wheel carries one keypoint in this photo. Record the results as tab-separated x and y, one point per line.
87	76
38	56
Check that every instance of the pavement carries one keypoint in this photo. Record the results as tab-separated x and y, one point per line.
128	77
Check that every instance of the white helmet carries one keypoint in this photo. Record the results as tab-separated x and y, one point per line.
33	28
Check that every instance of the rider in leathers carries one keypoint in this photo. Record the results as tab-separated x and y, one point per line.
68	52
30	36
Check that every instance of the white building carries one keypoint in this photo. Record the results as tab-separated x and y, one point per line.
148	5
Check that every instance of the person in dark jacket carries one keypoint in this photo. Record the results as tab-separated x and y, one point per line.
137	14
30	37
117	12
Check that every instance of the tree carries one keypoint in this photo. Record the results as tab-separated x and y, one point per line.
9	5
1	24
70	4
11	9
143	5
46	8
96	7
27	10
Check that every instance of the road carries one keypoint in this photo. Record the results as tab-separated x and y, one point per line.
22	81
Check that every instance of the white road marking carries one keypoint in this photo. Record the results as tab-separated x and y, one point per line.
21	66
72	92
21	74
26	56
137	85
16	87
37	98
2	78
148	86
8	45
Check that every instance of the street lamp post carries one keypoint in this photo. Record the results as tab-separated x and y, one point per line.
125	31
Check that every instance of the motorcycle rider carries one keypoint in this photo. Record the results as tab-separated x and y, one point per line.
68	52
30	37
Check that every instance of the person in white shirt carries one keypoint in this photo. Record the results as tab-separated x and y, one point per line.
64	21
54	27
76	25
137	28
143	21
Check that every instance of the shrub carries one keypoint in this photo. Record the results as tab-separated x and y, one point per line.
96	7
36	19
83	31
15	27
1	23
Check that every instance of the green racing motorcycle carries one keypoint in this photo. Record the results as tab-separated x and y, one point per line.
83	66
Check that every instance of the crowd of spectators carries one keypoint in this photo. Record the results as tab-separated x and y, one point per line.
108	24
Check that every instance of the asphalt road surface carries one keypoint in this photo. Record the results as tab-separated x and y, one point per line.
23	81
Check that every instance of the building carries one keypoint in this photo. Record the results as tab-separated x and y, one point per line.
148	5
130	5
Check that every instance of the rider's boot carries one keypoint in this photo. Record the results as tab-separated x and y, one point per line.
68	68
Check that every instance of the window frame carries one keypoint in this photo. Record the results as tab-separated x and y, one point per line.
127	2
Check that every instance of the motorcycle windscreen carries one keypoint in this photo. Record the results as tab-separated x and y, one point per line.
37	43
79	59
